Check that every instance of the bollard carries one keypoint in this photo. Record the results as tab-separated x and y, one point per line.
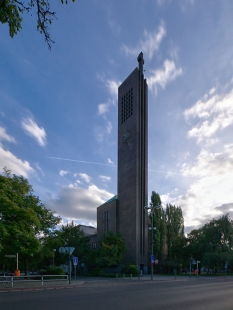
123	275
139	276
116	275
131	276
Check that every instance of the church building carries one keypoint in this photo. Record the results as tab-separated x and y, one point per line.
125	212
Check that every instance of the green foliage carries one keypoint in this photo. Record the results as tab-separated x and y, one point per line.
51	270
175	238
169	231
159	235
130	269
212	243
111	251
98	272
11	12
24	220
71	235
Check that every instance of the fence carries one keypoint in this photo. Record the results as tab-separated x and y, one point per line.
37	279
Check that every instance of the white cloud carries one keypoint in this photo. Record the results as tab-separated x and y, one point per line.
112	86
211	188
85	177
31	128
163	76
5	136
63	172
149	44
109	161
78	203
105	178
101	133
214	113
16	165
109	127
103	108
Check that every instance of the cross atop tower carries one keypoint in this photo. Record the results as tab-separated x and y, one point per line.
141	62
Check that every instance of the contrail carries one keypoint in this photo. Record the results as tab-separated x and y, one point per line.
110	165
81	161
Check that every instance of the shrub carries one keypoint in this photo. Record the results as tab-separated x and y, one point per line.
98	272
130	269
52	270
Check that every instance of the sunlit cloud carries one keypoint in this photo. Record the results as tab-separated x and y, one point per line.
63	172
211	114
105	178
103	108
16	165
110	161
31	128
163	76
5	136
211	188
149	44
85	177
77	203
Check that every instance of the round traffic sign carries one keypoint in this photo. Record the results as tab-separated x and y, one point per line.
156	261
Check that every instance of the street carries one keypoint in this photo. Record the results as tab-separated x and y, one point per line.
182	294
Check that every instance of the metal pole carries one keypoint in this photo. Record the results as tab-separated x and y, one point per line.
152	252
190	260
17	260
69	267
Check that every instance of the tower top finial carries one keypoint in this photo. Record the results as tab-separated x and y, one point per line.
140	62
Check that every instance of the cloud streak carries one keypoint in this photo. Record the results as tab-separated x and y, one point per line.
214	114
149	44
5	136
31	129
163	76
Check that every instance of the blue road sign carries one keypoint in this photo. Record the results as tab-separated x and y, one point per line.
75	261
152	258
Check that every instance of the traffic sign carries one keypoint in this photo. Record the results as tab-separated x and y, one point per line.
10	255
152	258
156	261
75	261
67	250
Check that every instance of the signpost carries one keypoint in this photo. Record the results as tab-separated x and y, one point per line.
75	262
67	250
225	267
198	261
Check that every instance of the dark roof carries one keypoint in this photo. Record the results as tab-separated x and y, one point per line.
111	199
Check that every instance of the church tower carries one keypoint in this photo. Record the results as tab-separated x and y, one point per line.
131	217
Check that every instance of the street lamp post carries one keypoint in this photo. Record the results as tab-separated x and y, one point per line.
152	208
54	250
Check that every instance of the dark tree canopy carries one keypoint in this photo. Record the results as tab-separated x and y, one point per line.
24	220
11	13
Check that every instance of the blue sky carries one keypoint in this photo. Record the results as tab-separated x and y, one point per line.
58	109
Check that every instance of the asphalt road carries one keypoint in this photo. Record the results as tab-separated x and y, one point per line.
198	294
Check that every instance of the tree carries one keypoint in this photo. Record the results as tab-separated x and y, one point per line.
111	251
175	238
212	243
71	235
11	13
24	220
159	224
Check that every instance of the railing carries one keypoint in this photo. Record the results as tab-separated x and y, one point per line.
33	279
